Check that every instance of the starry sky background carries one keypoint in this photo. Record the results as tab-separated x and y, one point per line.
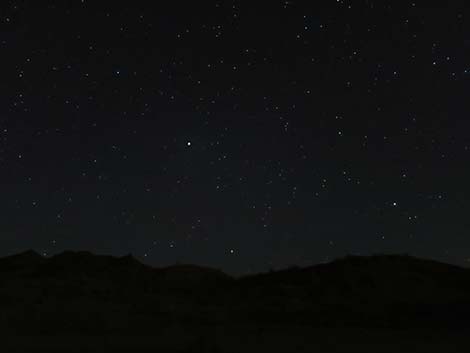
236	134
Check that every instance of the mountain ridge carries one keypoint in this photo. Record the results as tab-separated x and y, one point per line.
31	255
82	292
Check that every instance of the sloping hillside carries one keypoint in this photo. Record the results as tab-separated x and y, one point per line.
85	293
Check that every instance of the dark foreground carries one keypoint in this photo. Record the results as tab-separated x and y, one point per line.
80	302
252	339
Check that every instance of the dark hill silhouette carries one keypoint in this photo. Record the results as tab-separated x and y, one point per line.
78	292
19	261
192	274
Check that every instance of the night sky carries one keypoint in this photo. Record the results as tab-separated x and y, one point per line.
245	136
